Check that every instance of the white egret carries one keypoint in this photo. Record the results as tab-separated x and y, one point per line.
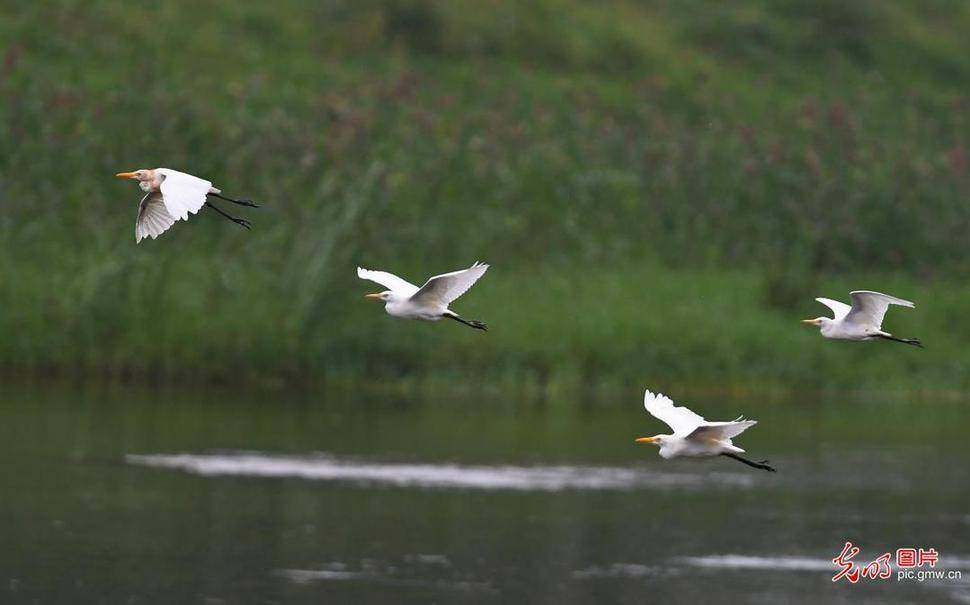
170	196
694	436
862	320
430	301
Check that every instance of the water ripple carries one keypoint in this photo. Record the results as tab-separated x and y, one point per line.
324	467
413	571
778	563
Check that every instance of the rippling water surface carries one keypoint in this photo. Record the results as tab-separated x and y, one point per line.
177	497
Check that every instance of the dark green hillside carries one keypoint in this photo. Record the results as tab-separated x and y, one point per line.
662	187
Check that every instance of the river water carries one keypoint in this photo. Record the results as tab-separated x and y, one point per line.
134	496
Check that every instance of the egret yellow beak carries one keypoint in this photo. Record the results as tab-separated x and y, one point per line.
646	440
374	295
811	322
126	175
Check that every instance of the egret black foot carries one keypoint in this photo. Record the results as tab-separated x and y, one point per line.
763	464
906	341
471	323
249	203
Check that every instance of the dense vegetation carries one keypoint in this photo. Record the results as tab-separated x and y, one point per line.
661	187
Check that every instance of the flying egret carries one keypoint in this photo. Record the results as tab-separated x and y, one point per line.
862	320
430	301
694	436
170	196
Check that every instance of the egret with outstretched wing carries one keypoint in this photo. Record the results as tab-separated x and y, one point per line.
430	301
693	436
171	196
862	320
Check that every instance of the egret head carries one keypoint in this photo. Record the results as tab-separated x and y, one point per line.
146	179
657	440
142	174
821	322
386	296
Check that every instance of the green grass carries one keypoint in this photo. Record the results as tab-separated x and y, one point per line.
555	329
662	187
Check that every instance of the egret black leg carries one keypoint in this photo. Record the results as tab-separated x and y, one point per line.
907	341
469	322
763	464
239	221
249	203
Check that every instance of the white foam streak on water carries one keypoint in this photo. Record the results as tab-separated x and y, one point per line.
324	467
948	561
780	563
783	563
622	570
675	566
305	576
375	571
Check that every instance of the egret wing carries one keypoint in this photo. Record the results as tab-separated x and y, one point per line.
839	308
680	419
722	430
443	289
869	308
388	280
153	217
182	193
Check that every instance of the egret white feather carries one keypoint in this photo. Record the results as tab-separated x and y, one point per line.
839	309
172	196
870	307
388	280
183	193
445	288
862	320
693	436
430	301
678	418
153	217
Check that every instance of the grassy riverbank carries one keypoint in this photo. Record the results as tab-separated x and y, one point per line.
662	188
